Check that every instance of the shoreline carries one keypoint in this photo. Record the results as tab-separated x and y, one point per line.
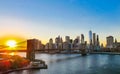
109	53
112	53
8	62
25	68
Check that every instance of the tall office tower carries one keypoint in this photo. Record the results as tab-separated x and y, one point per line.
97	41
71	41
59	39
116	44
67	39
56	40
60	44
71	44
110	41
82	39
90	37
115	40
51	43
94	39
78	39
76	43
32	45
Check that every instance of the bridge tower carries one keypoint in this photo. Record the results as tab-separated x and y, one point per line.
30	49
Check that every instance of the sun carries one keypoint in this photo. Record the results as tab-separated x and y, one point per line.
11	43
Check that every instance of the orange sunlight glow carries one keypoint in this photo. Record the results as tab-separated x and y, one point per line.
12	53
11	43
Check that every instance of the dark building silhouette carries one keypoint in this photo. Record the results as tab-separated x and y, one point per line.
94	39
90	37
51	46
82	39
98	43
110	41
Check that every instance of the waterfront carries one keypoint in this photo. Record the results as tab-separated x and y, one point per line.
76	64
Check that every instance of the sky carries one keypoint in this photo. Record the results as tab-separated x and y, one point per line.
45	19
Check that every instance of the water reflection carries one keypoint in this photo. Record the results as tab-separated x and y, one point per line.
77	64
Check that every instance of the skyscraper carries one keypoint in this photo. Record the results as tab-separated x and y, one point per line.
82	39
76	43
97	44
90	37
51	43
97	41
110	41
94	39
58	42
67	39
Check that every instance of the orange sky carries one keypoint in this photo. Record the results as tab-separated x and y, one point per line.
18	39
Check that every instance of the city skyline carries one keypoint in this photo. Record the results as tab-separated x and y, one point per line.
48	19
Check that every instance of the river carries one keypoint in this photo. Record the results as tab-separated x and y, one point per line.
76	64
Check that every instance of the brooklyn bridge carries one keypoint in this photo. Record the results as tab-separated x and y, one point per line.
30	49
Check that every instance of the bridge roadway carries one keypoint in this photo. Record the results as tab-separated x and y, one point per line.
2	51
48	50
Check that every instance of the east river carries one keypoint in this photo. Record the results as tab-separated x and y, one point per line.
76	64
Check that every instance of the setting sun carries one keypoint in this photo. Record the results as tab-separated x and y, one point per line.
11	43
